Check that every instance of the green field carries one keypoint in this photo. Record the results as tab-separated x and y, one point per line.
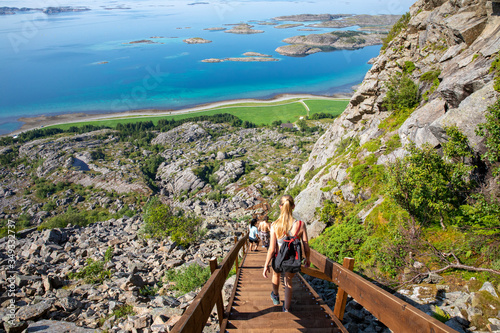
257	113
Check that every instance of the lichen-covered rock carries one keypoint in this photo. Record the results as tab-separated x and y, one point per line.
33	312
230	172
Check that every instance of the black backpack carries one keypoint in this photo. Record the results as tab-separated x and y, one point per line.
289	256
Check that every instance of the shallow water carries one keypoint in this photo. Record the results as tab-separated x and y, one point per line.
82	62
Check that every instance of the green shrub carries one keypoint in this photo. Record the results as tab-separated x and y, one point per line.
430	76
341	240
408	67
188	278
161	221
331	213
427	186
440	315
495	68
490	130
401	24
395	120
392	144
457	146
402	93
372	145
347	144
94	271
62	220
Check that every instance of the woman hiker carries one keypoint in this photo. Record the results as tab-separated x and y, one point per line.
285	226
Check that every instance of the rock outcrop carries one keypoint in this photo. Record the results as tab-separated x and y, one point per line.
457	41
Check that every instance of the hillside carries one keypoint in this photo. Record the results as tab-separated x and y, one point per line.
403	181
112	221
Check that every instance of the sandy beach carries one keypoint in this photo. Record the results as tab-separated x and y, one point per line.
30	123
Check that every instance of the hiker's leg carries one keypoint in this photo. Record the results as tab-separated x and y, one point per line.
288	289
276	282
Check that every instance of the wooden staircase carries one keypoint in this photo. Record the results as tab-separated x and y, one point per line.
253	310
250	308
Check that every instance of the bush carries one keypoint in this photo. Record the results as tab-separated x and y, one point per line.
322	115
490	130
495	68
427	186
331	213
401	24
430	76
161	221
402	93
62	220
94	271
188	278
341	240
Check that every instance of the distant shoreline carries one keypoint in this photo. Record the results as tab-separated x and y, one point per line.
30	123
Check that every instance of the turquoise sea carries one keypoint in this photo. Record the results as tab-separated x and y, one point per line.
83	62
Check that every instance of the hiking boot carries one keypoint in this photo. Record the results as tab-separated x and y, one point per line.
275	298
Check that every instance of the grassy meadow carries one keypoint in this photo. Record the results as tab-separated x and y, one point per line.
258	113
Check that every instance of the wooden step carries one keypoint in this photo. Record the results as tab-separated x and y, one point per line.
252	309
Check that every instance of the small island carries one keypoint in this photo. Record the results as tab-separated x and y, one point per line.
256	54
288	26
248	57
48	10
243	29
142	41
196	40
216	29
311	17
337	40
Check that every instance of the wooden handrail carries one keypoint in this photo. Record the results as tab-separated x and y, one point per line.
195	317
395	313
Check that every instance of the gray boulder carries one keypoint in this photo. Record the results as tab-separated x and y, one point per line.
34	311
230	172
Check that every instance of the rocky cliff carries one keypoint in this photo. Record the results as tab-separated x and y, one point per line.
451	42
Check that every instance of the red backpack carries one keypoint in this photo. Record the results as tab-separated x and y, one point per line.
289	256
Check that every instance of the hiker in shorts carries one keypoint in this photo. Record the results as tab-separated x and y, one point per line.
253	236
264	232
285	226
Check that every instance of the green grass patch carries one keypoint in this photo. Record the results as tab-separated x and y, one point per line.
188	278
257	113
334	107
94	271
395	120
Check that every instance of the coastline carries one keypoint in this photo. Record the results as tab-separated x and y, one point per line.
30	123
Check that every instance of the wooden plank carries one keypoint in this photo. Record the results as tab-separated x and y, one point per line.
231	299
341	301
220	305
325	307
253	310
195	317
395	313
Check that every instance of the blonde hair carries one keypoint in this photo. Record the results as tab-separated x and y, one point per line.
285	221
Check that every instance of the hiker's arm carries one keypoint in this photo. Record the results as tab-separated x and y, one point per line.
305	242
270	252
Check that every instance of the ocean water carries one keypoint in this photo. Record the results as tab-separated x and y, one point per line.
83	62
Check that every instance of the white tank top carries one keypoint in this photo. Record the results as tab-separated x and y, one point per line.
282	240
